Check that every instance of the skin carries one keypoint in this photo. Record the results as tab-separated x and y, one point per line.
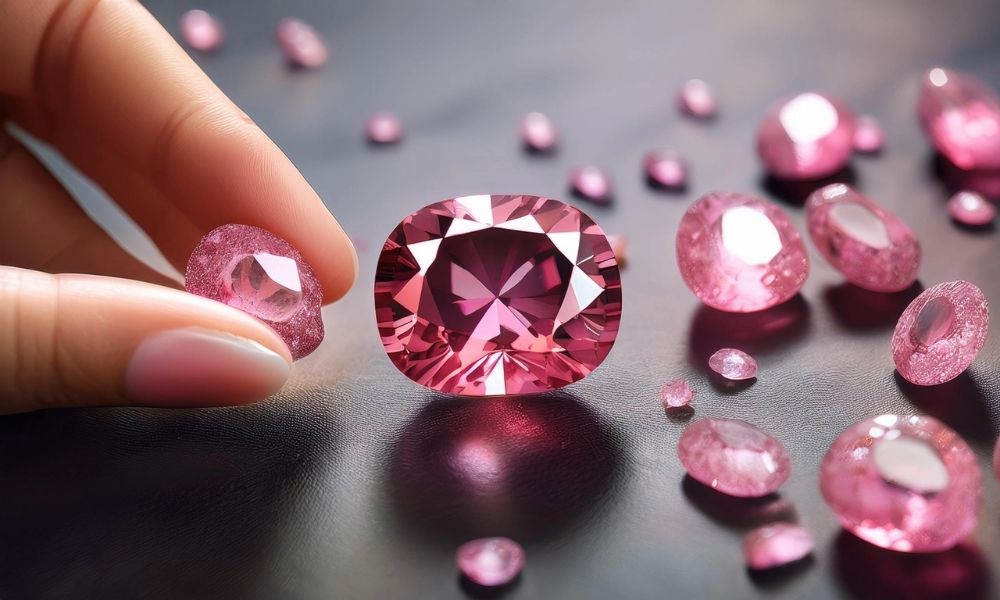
105	84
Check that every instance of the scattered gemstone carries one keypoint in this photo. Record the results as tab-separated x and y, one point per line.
676	394
970	208
733	364
733	457
806	137
302	45
591	183
619	245
863	240
776	545
739	253
665	169
201	30
497	295
904	483
940	333
263	275
868	135
384	128
696	99
961	116
538	133
491	561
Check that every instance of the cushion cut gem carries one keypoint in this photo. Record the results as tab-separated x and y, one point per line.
733	457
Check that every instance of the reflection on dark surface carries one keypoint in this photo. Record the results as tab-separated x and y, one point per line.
774	579
797	192
523	467
858	309
474	590
737	513
871	572
954	179
958	403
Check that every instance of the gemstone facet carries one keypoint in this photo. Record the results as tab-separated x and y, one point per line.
696	99
676	394
490	561
497	295
970	208
733	364
384	128
961	116
201	30
665	169
904	483
591	183
940	333
806	137
776	545
739	253
868	135
301	44
869	245
538	133
733	457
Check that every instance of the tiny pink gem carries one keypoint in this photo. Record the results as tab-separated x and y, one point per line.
301	44
961	116
538	133
806	137
490	561
619	245
970	208
733	364
676	394
739	253
696	99
733	457
384	128
666	169
863	240
940	333
776	545
201	30
591	183
909	484
868	135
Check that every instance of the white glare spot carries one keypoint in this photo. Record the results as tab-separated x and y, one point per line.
910	463
808	117
750	236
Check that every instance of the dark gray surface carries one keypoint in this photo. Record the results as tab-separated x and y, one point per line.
351	484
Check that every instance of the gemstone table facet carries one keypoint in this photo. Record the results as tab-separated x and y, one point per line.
733	457
806	137
961	116
490	561
776	545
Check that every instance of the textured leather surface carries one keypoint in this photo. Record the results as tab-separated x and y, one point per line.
356	483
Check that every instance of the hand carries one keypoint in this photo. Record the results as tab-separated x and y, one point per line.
109	88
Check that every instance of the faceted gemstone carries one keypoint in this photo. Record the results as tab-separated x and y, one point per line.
868	135
665	169
619	245
739	253
696	99
970	208
940	333
302	45
491	561
263	275
806	137
384	128
904	483
497	295
591	183
733	364
201	30
776	545
733	457
869	245
676	394
961	116
538	133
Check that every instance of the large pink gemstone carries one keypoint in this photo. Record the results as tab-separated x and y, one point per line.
739	253
871	246
806	137
903	483
940	333
776	545
961	115
495	295
733	457
490	561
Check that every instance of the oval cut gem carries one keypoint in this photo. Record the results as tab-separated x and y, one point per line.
733	457
806	137
538	133
590	182
970	208
733	364
961	116
665	169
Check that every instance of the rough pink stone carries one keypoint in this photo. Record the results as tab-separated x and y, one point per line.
868	135
961	116
806	137
940	333
970	208
733	364
733	457
739	253
619	245
261	274
497	295
538	133
676	394
904	483
776	545
201	30
863	240
591	183
665	169
301	44
696	99
491	561
384	128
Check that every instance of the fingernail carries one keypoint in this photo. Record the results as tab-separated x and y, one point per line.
199	367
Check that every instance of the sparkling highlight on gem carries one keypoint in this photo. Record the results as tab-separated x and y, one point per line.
961	116
971	209
733	364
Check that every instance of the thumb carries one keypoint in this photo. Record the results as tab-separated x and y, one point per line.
84	340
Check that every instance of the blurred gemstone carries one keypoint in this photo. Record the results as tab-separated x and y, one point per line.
739	253
776	545
619	245
302	45
696	99
665	169
733	457
201	30
733	364
806	137
384	128
863	240
591	183
868	135
676	394
490	561
970	208
904	483
538	132
961	116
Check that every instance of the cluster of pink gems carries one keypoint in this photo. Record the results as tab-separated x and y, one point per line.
301	44
776	545
940	333
201	30
591	183
806	137
733	457
490	562
384	128
970	208
497	295
961	116
733	364
538	133
676	393
904	483
665	169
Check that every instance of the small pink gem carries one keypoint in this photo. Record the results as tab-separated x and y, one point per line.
869	245
676	394
490	561
961	116
733	457
302	45
904	483
538	133
665	169
263	275
868	135
970	208
940	333
619	245
591	183
733	364
384	128
806	137
776	545
696	99
201	30
739	253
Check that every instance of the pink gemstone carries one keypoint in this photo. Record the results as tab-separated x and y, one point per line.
201	30
904	483
739	253
538	133
868	135
869	245
733	457
733	364
696	99
665	169
970	208
940	333
384	128
497	295
302	45
619	245
591	183
806	137
263	275
961	116
490	561
676	394
776	545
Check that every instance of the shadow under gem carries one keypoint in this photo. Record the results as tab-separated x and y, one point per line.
796	192
954	179
741	514
958	403
858	309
